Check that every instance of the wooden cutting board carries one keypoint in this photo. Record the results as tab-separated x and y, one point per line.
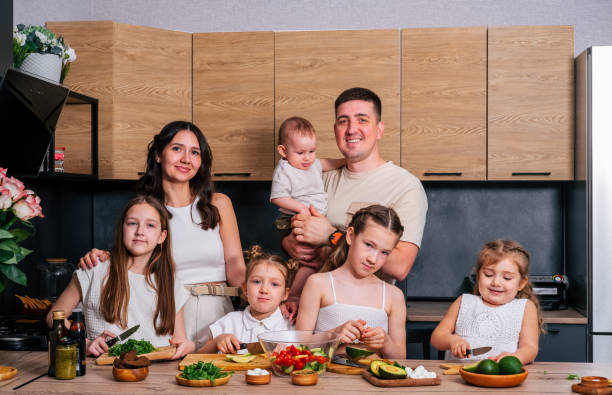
581	389
407	382
221	361
162	353
344	369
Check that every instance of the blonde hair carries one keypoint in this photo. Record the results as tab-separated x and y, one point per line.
497	250
292	126
255	256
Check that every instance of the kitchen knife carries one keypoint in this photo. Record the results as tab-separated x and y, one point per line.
252	348
478	351
123	336
347	362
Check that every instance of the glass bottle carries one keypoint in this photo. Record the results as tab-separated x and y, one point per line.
65	359
78	334
58	331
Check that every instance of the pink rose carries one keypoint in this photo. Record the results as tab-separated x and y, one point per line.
25	210
2	173
15	186
6	199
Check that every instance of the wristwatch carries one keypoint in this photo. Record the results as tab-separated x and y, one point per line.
335	237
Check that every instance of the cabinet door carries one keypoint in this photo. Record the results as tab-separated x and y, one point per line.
563	343
313	67
530	103
142	79
444	103
233	101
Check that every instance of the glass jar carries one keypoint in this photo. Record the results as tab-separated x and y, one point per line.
54	276
65	360
59	159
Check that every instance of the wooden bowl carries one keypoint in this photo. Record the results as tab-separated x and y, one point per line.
258	380
7	372
302	377
201	383
594	382
138	374
493	380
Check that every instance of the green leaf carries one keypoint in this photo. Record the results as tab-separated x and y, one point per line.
20	234
2	282
24	251
5	234
9	245
13	273
5	256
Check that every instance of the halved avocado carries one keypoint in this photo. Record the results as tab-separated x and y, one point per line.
357	353
391	372
375	367
240	358
472	368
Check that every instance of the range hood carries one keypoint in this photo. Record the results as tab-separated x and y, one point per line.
30	107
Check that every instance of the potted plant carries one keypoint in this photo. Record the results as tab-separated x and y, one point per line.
39	51
17	206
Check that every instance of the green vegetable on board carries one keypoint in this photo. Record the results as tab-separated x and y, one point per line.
141	347
573	376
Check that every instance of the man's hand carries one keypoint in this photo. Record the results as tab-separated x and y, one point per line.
313	229
297	250
289	310
91	258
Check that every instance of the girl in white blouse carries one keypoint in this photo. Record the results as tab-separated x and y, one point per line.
351	300
503	312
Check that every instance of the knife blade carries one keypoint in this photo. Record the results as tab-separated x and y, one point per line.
252	348
344	361
478	351
123	336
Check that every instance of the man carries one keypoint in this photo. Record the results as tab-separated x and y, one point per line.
366	179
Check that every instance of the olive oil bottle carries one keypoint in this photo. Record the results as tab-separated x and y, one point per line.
58	330
78	334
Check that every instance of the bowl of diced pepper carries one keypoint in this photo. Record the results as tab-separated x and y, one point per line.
290	351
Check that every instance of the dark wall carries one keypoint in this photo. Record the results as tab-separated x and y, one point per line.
6	35
461	217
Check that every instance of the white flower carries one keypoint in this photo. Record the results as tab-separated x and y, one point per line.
70	55
20	37
43	39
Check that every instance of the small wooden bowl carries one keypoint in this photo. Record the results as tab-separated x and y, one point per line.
138	374
494	380
7	372
594	382
201	383
304	377
258	380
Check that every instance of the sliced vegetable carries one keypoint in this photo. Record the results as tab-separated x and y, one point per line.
375	366
299	358
391	372
240	358
472	368
356	352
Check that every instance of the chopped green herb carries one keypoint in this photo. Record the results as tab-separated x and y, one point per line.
141	347
203	371
573	377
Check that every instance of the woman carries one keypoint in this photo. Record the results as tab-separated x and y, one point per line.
205	242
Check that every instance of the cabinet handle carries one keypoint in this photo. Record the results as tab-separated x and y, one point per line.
232	174
443	174
534	173
141	173
553	331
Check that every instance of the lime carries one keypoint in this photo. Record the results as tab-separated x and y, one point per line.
356	353
510	365
488	366
472	368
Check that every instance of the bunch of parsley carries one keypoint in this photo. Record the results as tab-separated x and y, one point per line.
141	347
203	371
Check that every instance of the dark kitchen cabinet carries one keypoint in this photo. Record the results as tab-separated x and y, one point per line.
563	343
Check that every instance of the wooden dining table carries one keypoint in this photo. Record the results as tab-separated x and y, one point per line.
543	378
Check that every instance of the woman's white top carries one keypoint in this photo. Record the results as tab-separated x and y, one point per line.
482	325
336	314
198	253
141	306
246	328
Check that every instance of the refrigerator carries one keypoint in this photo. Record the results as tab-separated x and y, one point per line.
589	213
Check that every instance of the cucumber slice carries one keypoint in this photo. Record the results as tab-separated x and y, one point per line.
240	358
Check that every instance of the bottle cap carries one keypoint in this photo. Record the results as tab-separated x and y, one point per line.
58	315
77	315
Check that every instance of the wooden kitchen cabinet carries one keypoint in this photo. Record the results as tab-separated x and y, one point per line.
530	103
313	67
233	102
142	78
444	90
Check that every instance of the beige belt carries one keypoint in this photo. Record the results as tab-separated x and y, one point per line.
218	288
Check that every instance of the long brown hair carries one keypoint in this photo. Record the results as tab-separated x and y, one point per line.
381	215
116	289
200	185
255	256
497	250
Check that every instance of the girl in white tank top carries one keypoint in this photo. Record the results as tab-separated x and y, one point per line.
351	300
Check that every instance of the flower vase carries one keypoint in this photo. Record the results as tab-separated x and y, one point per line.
48	66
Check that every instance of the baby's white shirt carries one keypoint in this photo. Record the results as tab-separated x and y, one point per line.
246	328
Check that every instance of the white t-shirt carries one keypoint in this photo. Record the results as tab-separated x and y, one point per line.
246	328
141	306
198	253
305	186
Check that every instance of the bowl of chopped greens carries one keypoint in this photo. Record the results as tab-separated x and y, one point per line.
202	374
290	351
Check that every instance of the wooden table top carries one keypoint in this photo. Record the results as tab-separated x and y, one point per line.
433	311
544	378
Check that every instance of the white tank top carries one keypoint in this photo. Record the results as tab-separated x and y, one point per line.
482	325
198	253
336	314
